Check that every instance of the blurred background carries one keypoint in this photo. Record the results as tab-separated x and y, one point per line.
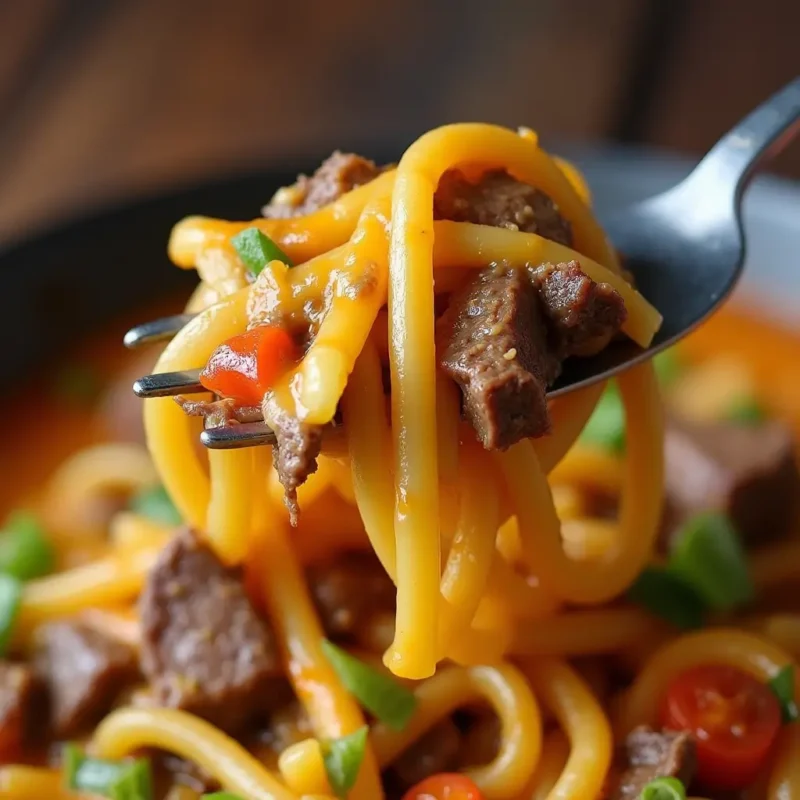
104	99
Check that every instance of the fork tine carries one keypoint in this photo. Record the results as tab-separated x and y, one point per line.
157	330
231	437
168	384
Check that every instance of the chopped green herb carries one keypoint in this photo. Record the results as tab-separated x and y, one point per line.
342	758
668	366
221	796
606	426
118	780
664	789
156	504
708	555
10	598
668	596
25	551
746	411
77	384
378	693
256	250
782	686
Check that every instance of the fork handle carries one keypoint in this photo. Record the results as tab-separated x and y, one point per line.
764	132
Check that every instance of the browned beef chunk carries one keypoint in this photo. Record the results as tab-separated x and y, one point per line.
204	648
493	342
501	201
18	706
349	590
218	413
583	315
655	754
336	176
84	670
295	456
435	751
747	471
505	334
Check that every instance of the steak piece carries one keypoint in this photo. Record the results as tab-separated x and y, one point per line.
504	336
19	698
749	472
337	175
583	314
219	413
501	201
294	456
349	590
492	341
655	754
204	648
84	670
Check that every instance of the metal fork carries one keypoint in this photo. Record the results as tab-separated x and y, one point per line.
685	247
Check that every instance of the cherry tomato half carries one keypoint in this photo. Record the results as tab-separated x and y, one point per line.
445	786
246	366
734	718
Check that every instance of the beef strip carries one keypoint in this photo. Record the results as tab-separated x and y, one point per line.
348	591
218	413
434	752
204	649
19	697
336	176
655	754
295	456
505	334
747	471
501	201
84	670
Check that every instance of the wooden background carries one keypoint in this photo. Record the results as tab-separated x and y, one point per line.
102	99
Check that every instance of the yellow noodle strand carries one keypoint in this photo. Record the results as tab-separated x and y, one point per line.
582	718
129	729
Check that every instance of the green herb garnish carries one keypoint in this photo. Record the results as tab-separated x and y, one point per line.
606	426
256	250
708	555
342	758
387	700
664	789
25	551
669	597
782	686
156	504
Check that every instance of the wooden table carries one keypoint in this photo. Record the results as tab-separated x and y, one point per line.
102	99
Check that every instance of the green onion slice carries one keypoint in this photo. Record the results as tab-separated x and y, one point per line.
746	411
378	693
342	758
256	250
221	796
664	789
708	555
156	504
10	598
25	551
782	686
668	596
118	780
668	366
606	426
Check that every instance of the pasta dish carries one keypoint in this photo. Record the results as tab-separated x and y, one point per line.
442	580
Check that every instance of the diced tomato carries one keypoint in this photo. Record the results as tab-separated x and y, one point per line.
246	366
445	786
734	718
